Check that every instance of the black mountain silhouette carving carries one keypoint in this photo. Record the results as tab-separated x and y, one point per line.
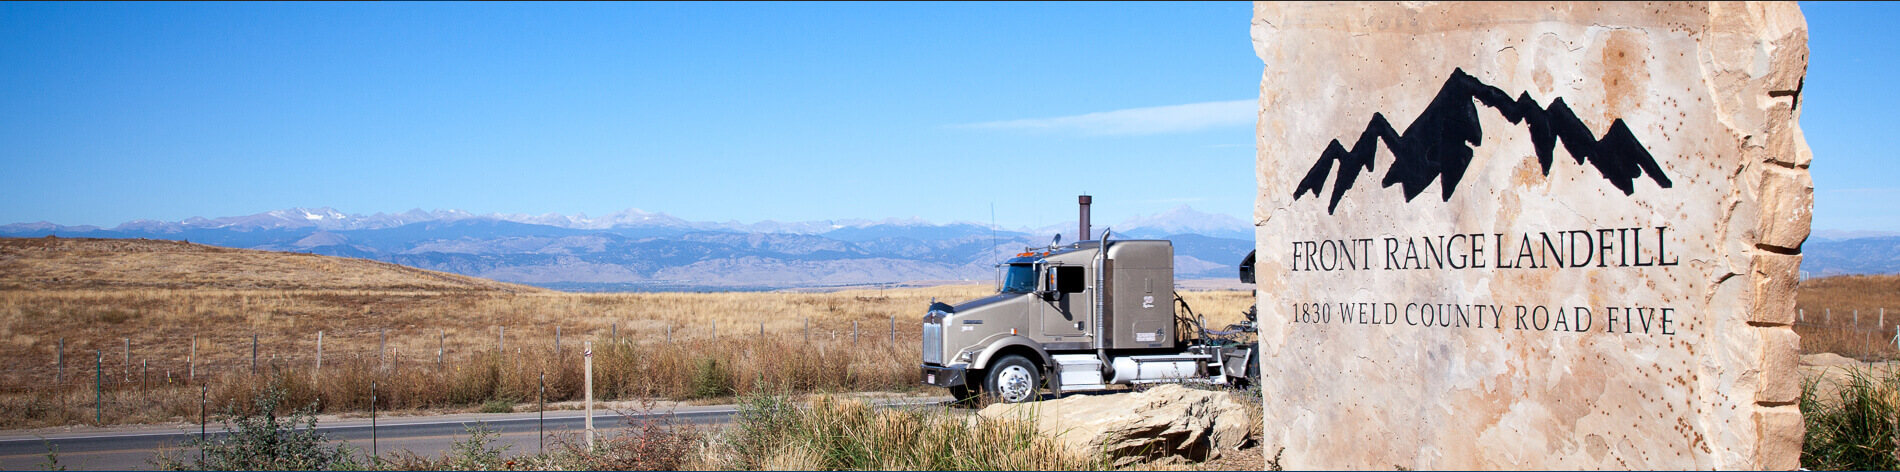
1438	143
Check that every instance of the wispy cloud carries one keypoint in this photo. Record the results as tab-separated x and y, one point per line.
1136	121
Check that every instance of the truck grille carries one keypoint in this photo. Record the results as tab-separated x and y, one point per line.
933	343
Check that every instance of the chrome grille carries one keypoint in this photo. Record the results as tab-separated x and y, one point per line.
933	343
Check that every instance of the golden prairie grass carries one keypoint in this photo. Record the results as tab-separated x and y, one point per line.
80	263
630	332
831	433
428	339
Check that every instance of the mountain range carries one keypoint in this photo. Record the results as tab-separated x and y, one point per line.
635	250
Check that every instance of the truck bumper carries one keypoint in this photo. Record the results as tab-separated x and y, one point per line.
944	376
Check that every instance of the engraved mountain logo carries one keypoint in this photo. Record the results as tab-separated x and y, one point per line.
1438	144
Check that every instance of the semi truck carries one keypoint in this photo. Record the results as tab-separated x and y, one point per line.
1095	314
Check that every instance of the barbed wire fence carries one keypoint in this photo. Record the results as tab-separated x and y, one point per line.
1865	335
108	375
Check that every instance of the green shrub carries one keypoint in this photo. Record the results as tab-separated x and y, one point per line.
710	379
478	452
259	439
647	443
499	405
1857	432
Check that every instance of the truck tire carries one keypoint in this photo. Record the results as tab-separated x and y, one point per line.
1013	379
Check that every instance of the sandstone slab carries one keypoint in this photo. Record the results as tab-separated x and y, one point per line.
1161	422
1530	236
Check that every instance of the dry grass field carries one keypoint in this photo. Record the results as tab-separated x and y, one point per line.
1829	321
189	313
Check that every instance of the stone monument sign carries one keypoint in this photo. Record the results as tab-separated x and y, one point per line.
1531	235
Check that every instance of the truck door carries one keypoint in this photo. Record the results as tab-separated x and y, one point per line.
1068	313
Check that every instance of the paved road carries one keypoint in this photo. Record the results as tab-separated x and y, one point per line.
133	448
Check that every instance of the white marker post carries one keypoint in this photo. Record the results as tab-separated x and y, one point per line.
587	352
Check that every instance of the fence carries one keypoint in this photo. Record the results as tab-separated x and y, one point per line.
1867	335
97	383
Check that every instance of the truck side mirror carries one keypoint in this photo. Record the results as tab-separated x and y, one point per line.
1069	279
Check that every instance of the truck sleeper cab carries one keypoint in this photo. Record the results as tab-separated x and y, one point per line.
1075	317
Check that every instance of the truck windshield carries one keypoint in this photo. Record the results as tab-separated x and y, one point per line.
1021	278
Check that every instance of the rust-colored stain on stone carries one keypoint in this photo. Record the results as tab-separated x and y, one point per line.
1625	72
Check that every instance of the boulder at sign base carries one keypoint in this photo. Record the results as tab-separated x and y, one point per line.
1161	422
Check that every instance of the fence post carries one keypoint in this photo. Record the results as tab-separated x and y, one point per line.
319	371
614	332
854	331
557	343
761	329
59	360
382	348
669	334
893	330
501	343
541	428
145	368
98	387
441	344
204	396
126	372
373	453
715	330
587	350
191	363
253	353
807	329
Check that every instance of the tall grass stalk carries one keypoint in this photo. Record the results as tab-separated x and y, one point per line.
1858	428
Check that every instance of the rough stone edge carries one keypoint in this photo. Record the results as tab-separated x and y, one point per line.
1785	198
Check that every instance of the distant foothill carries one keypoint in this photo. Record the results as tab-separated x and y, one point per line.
635	250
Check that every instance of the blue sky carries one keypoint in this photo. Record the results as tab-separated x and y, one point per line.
716	111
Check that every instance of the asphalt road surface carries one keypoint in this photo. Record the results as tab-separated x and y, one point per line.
521	433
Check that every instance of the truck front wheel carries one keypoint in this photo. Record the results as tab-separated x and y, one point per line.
1012	379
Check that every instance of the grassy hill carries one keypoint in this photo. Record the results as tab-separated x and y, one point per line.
69	263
